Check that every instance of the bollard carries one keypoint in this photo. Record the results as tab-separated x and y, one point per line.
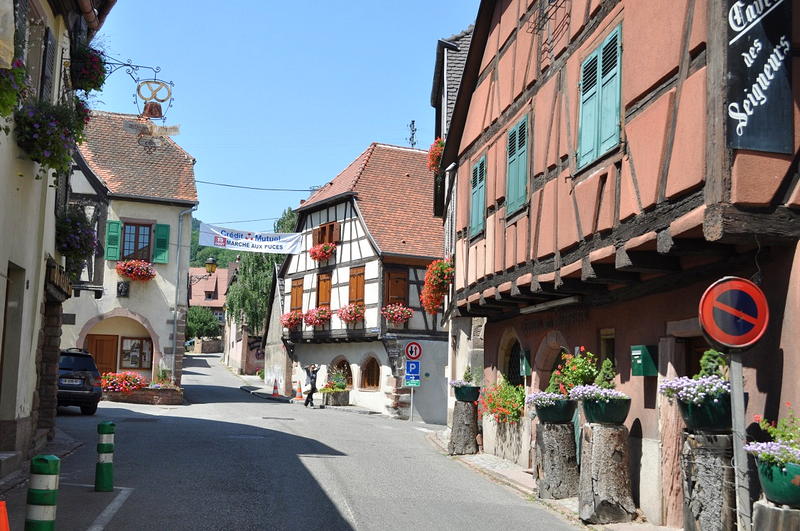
42	493
104	469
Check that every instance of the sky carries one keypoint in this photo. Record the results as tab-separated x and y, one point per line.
281	94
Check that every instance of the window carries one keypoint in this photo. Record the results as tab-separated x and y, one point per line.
343	367
477	205
327	233
607	345
513	366
356	284
140	241
137	353
600	100
396	286
517	174
324	291
297	294
135	242
370	374
210	296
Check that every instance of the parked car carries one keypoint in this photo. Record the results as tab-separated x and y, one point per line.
78	380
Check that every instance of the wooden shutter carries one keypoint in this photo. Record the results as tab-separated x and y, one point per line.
511	170
356	284
20	26
473	204
517	175
478	202
48	66
587	134
297	294
161	246
522	161
396	287
315	236
324	290
336	235
113	230
609	55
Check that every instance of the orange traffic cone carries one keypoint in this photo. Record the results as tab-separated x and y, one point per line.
4	525
275	388
299	394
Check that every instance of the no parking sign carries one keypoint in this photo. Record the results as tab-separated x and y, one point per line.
734	313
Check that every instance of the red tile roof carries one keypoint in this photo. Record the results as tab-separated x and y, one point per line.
117	159
393	190
218	282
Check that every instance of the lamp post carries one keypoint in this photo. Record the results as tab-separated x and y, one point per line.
211	268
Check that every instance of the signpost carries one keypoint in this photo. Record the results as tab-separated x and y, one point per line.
413	350
734	315
411	378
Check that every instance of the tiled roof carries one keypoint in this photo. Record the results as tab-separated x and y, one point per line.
118	160
393	190
218	282
456	60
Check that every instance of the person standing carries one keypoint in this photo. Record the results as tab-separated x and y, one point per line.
311	382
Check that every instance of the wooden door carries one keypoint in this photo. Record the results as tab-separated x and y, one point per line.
104	350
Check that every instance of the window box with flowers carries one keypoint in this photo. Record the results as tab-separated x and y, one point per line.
136	270
292	320
322	252
317	316
397	314
352	313
87	68
76	239
435	155
438	278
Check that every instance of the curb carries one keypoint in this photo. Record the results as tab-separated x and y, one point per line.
257	392
61	446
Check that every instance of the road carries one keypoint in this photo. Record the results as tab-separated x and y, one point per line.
229	460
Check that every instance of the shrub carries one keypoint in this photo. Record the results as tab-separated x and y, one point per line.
200	322
504	402
573	370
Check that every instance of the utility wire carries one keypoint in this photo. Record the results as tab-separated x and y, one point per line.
258	188
243	221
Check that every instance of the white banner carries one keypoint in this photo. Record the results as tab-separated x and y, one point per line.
254	242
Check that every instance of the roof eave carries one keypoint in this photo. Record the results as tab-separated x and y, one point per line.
316	205
151	199
438	69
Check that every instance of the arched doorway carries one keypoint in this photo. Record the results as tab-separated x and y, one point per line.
120	343
342	366
547	357
511	371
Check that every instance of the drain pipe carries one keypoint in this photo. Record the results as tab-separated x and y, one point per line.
178	290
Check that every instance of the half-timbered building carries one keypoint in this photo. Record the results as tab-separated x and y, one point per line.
603	180
377	214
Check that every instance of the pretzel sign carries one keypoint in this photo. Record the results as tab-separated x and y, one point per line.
154	87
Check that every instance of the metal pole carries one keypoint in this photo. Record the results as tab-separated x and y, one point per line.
411	416
739	455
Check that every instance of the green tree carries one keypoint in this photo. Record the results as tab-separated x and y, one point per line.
200	322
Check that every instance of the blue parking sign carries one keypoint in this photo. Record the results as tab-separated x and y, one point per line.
412	367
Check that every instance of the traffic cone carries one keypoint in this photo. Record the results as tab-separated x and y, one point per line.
4	525
299	394
275	388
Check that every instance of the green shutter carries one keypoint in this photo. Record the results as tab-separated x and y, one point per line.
609	92
113	229
522	161
511	171
161	245
477	207
517	175
589	98
481	212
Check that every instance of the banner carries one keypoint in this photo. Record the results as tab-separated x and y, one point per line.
253	242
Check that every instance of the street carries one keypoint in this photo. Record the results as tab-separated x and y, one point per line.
229	460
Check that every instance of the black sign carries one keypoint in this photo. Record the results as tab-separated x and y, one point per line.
759	97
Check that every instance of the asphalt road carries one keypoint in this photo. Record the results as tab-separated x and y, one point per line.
231	461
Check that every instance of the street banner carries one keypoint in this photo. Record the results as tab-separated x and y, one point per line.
253	242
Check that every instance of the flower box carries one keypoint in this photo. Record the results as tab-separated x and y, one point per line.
352	313
780	482
602	405
397	314
292	320
322	252
136	270
147	395
467	393
711	415
317	316
336	398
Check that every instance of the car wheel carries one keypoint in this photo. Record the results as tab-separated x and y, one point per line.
88	410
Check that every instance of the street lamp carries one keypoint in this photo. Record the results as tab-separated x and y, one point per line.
211	267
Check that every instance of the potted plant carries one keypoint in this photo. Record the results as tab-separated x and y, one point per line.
317	316
87	69
397	313
779	459
468	388
352	313
136	270
438	278
322	252
335	392
292	320
602	405
435	155
552	408
504	402
705	399
75	239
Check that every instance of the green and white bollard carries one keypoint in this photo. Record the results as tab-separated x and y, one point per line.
42	493
104	470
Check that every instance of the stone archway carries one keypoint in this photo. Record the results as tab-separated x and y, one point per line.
546	357
119	312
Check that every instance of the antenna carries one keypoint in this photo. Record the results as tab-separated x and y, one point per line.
413	138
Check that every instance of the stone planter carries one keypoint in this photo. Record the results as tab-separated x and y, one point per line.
559	413
336	398
467	393
615	411
781	484
708	416
147	396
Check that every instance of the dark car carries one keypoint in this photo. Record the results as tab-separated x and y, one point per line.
78	380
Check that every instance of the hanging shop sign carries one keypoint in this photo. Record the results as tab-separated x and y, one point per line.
254	242
759	90
734	313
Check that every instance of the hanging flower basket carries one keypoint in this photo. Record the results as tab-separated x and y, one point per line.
705	402
292	320
88	69
397	313
322	252
317	316
136	270
75	239
435	155
12	88
352	313
438	278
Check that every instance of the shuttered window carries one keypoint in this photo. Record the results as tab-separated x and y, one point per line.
396	286
327	233
370	374
477	206
517	173
48	67
161	244
136	241
113	233
324	290
356	285
600	100
297	294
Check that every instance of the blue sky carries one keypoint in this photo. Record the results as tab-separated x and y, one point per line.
276	95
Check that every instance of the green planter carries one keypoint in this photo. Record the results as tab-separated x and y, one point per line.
467	393
559	413
615	411
781	485
708	416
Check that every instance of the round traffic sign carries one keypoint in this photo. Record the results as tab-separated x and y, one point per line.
413	350
734	312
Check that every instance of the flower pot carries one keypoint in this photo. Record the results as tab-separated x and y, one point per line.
336	398
709	415
559	413
467	393
781	484
615	411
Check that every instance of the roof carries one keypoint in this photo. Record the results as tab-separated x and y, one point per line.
393	188
456	47
218	281
127	170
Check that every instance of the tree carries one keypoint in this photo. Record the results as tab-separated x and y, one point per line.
200	322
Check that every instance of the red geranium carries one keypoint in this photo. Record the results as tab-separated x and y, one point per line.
136	269
435	155
322	252
292	320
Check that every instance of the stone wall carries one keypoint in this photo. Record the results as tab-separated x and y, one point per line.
509	441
